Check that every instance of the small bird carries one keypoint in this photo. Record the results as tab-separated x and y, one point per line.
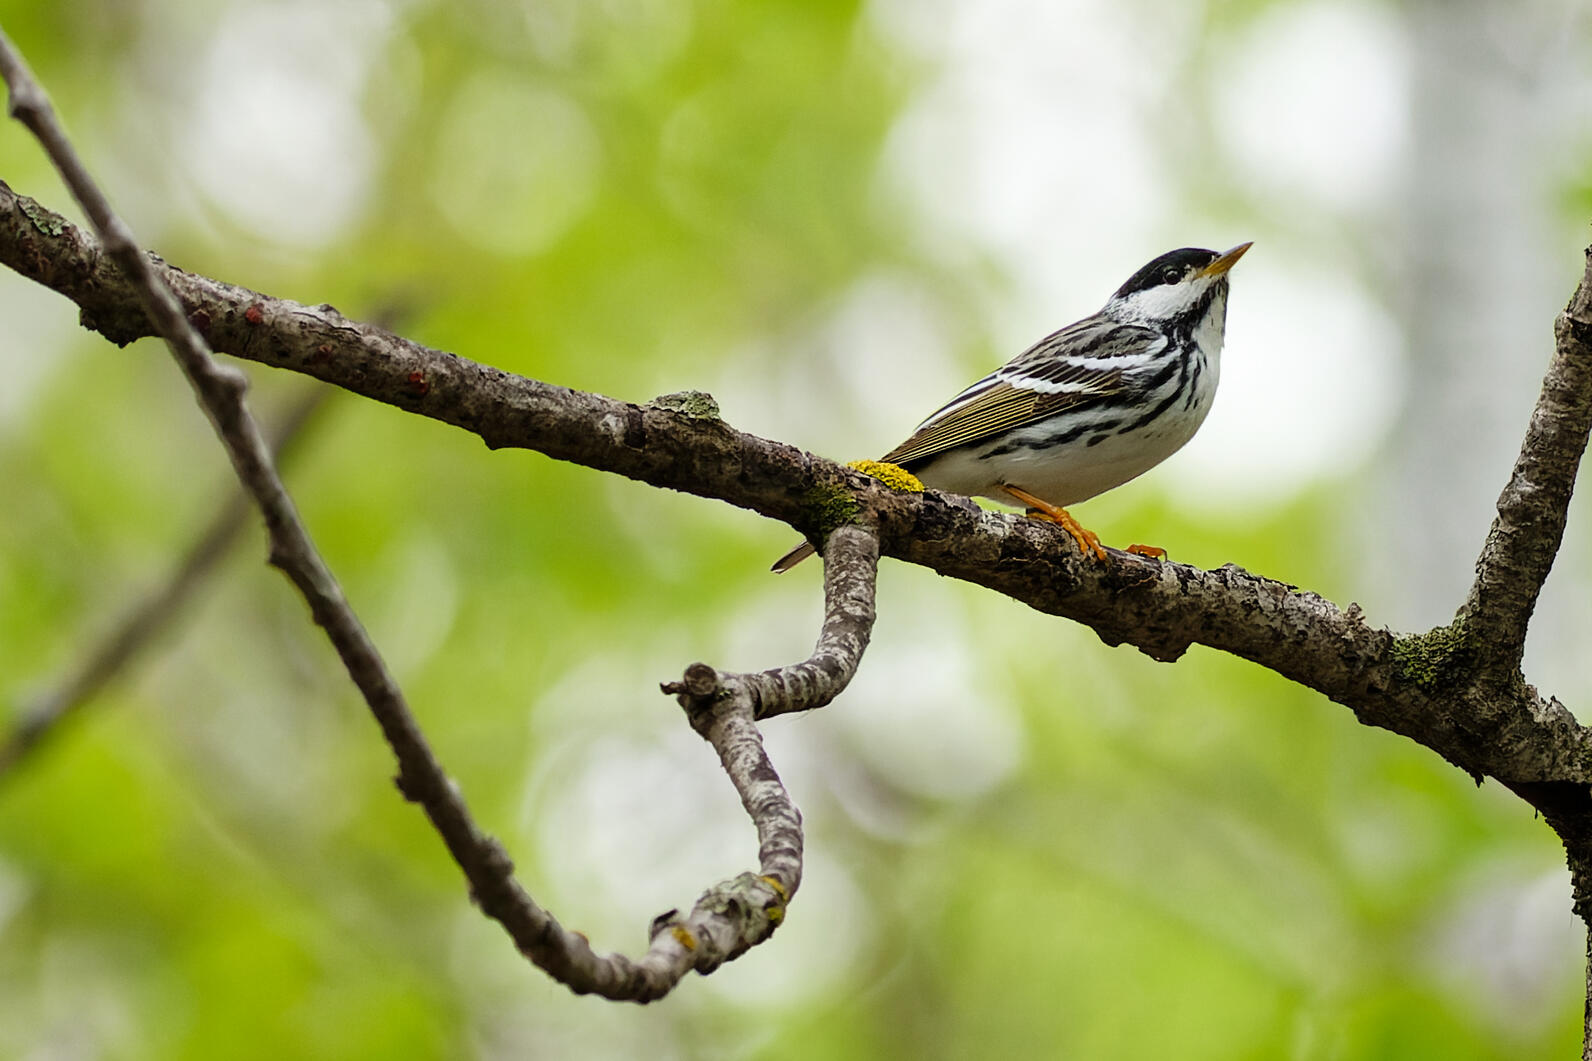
1087	408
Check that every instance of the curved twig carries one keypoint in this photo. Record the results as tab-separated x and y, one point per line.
729	918
735	915
851	566
723	706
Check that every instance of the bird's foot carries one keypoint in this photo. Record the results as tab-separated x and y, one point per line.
1088	541
1154	552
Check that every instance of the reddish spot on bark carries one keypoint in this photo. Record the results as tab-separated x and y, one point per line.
322	354
419	384
254	315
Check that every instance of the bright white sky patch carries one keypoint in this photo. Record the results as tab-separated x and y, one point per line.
1308	387
886	337
920	728
1314	104
39	325
278	140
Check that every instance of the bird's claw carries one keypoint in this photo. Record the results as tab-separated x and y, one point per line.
1088	541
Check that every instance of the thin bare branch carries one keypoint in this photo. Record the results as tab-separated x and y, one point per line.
149	617
1529	527
220	390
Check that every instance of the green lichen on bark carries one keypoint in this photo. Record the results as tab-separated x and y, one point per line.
1435	659
828	507
46	221
698	405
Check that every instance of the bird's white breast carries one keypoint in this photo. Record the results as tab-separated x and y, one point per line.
1106	448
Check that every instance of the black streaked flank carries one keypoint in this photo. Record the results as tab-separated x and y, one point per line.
1162	377
1153	414
1072	434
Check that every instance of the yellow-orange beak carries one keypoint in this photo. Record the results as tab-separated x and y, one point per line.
1225	261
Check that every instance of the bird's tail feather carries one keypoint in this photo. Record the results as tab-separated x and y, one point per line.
792	558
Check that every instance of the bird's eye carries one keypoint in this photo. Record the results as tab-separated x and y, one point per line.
1171	274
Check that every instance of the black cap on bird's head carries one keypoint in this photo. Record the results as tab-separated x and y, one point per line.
1175	267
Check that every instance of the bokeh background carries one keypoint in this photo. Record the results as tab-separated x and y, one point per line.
832	214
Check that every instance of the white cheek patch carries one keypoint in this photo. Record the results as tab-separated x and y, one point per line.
1163	300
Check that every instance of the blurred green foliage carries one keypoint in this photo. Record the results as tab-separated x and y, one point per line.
1021	843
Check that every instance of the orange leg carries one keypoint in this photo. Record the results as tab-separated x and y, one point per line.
1088	541
1154	552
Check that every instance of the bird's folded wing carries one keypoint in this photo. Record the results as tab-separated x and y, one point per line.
1079	365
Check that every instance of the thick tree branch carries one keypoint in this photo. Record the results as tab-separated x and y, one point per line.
1525	536
1405	685
1586	1012
1410	685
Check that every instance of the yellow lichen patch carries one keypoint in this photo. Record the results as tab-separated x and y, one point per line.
892	475
776	911
684	937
